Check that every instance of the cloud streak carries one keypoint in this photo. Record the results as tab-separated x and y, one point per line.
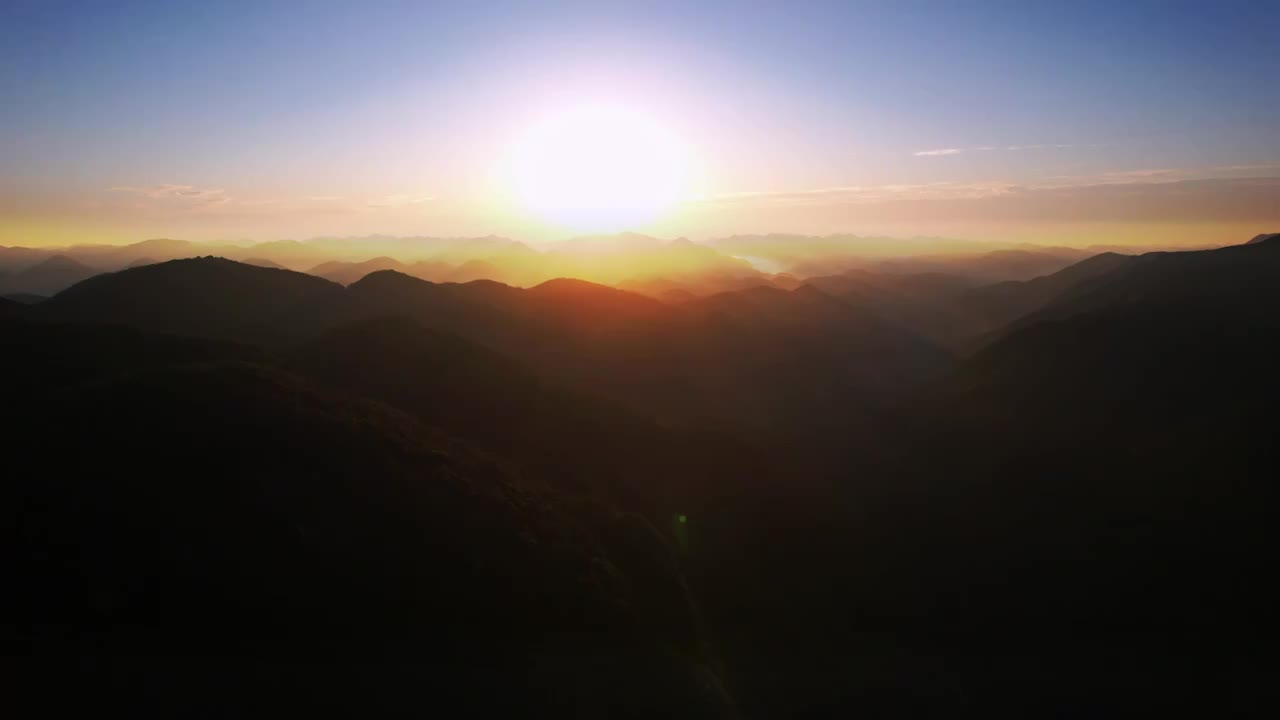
171	191
1168	196
988	148
871	193
399	201
1224	192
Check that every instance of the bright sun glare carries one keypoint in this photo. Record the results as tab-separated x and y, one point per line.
598	168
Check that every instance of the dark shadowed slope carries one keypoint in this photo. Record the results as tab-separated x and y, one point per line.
924	303
50	358
1133	418
1210	279
10	308
845	341
949	309
26	298
1072	522
991	307
996	266
556	437
214	505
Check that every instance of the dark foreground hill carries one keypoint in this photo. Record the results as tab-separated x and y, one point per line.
213	505
204	297
1073	521
555	435
10	308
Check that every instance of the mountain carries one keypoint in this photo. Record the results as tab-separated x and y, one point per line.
991	267
740	358
711	282
1090	493
950	309
787	251
480	311
10	308
13	259
262	262
206	297
288	254
632	260
472	270
764	502
25	298
558	437
925	303
993	306
313	533
157	250
589	306
1264	237
431	271
47	277
1165	366
118	257
345	273
1203	279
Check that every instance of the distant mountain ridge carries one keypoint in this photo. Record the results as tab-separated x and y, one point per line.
46	277
578	332
660	268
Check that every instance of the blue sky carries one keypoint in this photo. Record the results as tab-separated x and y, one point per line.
273	104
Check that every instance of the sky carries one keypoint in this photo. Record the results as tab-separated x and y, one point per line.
1075	123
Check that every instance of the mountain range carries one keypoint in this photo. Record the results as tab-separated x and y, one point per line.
668	270
1041	494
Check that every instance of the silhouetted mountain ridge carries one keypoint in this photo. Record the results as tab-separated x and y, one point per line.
209	297
47	276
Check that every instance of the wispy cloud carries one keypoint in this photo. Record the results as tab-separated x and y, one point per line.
871	193
945	191
1162	175
987	148
176	197
190	193
399	201
1043	146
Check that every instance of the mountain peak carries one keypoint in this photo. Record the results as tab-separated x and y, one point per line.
566	288
387	278
60	262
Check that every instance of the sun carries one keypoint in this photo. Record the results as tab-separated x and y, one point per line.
598	168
